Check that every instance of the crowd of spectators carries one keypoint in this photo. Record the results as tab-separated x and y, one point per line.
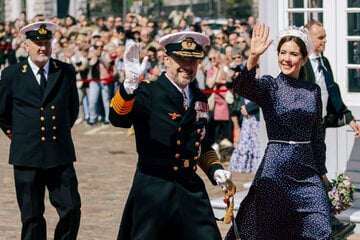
96	47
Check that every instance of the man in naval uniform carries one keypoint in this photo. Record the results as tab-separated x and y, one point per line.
168	199
38	107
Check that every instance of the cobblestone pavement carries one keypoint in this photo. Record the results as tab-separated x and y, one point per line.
106	160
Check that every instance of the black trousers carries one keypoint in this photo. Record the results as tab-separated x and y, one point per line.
62	184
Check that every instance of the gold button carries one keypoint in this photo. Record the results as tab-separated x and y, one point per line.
196	158
52	107
43	139
186	163
53	118
54	138
54	128
43	129
179	129
197	144
177	155
42	119
41	109
176	168
198	130
8	131
178	142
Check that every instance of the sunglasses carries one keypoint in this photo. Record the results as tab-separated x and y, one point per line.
97	47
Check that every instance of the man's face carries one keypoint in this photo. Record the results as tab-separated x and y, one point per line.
181	71
318	38
39	50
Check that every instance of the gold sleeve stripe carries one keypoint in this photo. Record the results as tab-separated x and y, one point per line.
121	106
208	159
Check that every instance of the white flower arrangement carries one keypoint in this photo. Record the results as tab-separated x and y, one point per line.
341	194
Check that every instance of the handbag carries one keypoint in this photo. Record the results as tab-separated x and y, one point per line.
211	101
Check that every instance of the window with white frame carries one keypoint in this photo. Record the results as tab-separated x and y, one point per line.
301	12
353	44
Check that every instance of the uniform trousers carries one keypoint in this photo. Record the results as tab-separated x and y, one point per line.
62	184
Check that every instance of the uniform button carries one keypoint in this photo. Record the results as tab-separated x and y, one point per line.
197	144
198	130
43	129
53	118
196	158
43	139
54	138
176	168
52	107
41	109
178	142
179	129
177	155
8	131
54	128
42	119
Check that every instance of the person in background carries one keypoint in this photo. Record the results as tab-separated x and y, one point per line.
39	104
333	106
286	199
170	120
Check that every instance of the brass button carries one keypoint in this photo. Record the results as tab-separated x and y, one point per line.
42	119
52	107
198	130
8	131
43	139
197	144
43	129
196	158
41	109
179	129
177	155
186	163
53	118
176	168
54	138
54	128
178	142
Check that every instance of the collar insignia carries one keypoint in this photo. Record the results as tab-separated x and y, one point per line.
188	44
42	30
24	68
174	116
55	65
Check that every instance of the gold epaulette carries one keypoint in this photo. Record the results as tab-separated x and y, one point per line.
208	159
121	106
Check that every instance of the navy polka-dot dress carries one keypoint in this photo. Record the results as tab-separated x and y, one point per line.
287	199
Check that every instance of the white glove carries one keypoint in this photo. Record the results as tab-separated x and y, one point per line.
133	69
221	177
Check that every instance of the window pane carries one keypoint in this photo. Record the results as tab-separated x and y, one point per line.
315	3
353	24
353	3
354	80
315	16
296	4
296	19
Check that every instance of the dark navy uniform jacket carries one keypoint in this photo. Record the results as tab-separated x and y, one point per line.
39	126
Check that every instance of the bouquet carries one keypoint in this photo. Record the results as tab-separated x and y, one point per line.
341	194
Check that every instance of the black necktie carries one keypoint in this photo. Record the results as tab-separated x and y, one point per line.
327	75
42	80
185	101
